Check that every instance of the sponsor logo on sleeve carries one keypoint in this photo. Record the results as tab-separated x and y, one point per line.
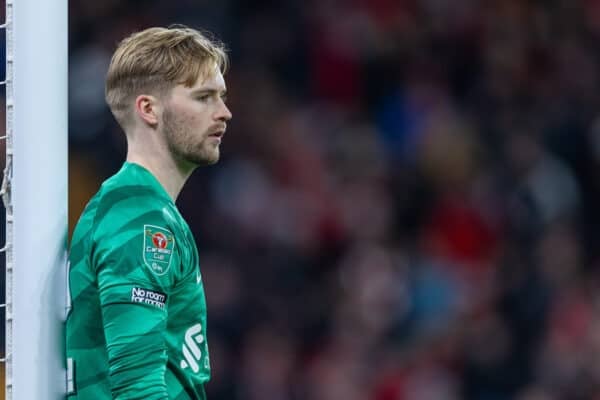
159	243
192	353
145	296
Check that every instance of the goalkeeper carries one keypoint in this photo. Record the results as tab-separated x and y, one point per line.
137	324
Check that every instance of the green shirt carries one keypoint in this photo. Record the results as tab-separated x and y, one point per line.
136	328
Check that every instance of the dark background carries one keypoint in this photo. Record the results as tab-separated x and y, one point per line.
407	201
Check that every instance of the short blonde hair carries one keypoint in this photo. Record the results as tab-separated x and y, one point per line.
154	60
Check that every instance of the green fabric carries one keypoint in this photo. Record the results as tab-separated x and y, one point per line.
137	324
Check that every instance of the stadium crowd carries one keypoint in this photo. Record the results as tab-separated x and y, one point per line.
408	201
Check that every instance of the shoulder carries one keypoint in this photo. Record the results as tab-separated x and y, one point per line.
120	193
133	227
118	200
128	208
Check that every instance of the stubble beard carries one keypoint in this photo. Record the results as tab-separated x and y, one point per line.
183	145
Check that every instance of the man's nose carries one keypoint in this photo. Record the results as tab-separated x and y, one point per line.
223	114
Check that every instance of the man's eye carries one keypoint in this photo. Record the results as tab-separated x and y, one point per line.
204	97
224	98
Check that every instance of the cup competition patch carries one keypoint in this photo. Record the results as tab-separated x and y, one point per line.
158	248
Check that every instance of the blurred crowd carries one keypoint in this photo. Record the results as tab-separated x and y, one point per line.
408	201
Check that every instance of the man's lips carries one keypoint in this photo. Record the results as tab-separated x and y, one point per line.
217	133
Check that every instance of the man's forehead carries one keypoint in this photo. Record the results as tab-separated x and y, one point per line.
211	80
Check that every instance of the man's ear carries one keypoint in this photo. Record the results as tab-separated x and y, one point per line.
147	108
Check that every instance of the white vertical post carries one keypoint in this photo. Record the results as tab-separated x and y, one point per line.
39	197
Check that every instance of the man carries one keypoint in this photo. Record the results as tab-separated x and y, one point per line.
137	324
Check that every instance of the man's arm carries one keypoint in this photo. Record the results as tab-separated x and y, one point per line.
134	301
136	351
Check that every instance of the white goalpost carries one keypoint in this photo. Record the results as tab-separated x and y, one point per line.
35	195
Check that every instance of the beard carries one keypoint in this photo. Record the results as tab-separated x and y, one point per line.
185	145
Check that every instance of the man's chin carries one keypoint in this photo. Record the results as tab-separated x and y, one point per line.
212	161
214	157
205	159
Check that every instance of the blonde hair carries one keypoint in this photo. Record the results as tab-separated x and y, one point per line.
154	60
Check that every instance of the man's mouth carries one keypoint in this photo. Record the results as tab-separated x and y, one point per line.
217	133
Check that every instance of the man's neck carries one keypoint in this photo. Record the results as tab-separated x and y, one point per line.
169	174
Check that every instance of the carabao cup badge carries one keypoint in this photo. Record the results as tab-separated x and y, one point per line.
158	248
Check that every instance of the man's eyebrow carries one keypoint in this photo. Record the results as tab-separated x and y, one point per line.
209	91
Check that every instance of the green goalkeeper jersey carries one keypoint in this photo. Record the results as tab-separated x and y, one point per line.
136	328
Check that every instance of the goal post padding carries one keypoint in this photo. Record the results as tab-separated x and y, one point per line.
39	34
